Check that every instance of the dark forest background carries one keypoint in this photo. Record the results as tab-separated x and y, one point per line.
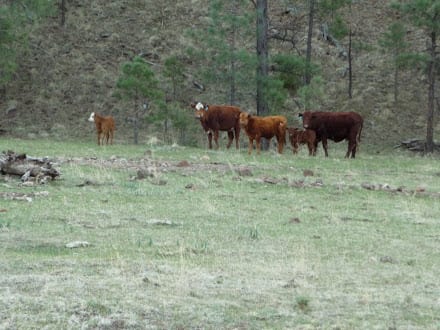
62	59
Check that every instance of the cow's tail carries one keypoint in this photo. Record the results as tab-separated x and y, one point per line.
358	136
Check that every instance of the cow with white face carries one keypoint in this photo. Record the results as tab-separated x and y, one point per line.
105	127
215	118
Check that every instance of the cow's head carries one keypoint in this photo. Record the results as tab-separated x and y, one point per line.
244	119
92	117
294	137
306	118
200	109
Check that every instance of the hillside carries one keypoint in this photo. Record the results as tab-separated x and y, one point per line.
70	71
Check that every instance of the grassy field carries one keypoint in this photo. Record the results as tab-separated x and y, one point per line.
221	241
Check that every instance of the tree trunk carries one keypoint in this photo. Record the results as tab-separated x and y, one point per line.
262	55
350	67
396	85
232	50
307	76
431	96
63	11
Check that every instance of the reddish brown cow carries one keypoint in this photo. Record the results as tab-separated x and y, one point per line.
105	127
267	127
336	126
215	118
298	137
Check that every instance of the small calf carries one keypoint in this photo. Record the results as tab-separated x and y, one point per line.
257	127
298	137
105	127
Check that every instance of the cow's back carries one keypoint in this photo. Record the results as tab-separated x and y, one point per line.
224	117
335	125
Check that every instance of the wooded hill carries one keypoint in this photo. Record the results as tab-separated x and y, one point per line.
70	68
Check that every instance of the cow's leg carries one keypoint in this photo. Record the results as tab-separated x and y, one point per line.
315	147
210	140
310	146
237	136
99	138
324	145
295	148
105	137
258	143
111	136
230	139
280	141
351	149
251	145
216	133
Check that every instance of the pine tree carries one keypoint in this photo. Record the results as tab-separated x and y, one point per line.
16	18
138	83
394	41
221	45
425	14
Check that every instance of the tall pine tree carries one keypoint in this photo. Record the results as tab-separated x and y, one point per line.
221	45
425	14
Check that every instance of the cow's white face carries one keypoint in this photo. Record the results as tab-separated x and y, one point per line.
199	106
92	117
200	110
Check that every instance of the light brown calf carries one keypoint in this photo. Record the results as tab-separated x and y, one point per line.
105	127
264	127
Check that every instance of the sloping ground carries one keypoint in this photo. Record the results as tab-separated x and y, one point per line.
71	71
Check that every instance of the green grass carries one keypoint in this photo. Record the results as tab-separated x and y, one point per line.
210	249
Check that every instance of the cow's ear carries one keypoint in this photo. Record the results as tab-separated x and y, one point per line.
300	115
206	107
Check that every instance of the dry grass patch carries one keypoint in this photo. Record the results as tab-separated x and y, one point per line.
213	248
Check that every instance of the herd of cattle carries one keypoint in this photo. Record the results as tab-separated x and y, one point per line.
318	127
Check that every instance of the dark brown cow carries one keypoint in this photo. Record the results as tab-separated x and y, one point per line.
267	127
297	137
215	118
336	126
105	127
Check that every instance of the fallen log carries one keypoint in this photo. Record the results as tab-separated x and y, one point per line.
28	168
415	144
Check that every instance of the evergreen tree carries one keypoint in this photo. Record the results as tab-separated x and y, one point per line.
8	63
425	14
138	83
230	65
307	70
263	58
16	18
393	40
173	72
339	29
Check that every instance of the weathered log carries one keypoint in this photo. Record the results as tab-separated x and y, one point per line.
27	167
415	144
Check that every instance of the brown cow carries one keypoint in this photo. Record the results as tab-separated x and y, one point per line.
105	127
336	126
267	127
215	118
298	137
